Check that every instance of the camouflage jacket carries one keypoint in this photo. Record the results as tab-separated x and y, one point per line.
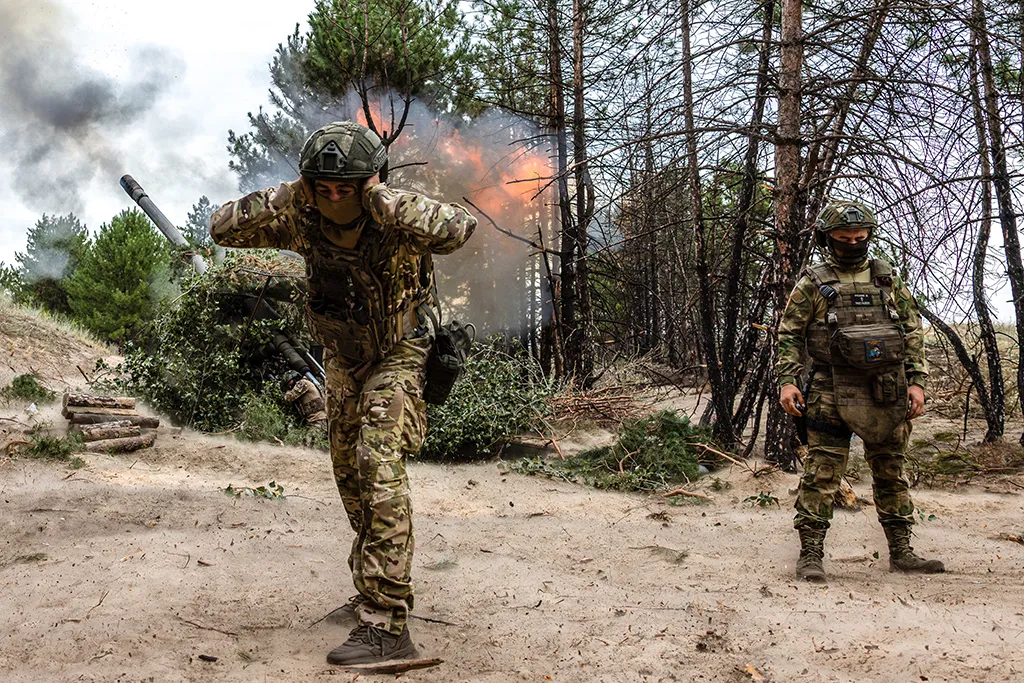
806	305
272	218
365	297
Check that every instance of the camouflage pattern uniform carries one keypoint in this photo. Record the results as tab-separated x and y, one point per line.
309	402
375	410
828	450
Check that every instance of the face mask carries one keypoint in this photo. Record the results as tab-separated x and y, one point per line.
341	213
848	254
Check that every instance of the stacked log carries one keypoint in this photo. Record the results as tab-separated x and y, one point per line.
108	424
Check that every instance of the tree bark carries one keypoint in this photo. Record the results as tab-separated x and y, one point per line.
88	401
92	418
995	407
102	432
788	215
1001	181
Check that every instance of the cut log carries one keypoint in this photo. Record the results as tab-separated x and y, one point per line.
82	429
68	411
127	445
95	418
102	432
87	401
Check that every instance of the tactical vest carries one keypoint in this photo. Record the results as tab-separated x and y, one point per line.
362	301
863	342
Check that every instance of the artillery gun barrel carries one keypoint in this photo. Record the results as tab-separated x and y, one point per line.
140	197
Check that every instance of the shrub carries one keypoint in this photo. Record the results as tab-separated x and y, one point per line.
500	394
650	453
27	388
62	449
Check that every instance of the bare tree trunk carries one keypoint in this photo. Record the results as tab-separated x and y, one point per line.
720	398
995	407
580	345
1004	192
732	362
564	292
788	216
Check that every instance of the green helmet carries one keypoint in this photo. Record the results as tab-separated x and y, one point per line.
843	214
342	151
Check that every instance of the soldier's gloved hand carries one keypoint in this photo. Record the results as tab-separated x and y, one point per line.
915	402
792	400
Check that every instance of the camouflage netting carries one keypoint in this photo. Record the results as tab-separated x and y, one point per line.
194	363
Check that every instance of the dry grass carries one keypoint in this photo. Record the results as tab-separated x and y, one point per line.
18	320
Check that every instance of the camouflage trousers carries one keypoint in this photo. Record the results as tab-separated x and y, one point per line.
376	418
827	457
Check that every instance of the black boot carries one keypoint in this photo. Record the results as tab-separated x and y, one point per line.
812	551
370	645
902	557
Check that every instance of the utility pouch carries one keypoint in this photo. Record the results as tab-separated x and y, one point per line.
446	360
870	347
885	387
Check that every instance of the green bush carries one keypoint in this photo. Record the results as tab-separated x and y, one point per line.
500	394
650	453
27	388
192	366
62	449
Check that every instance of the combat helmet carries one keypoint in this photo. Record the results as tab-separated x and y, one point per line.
843	214
341	151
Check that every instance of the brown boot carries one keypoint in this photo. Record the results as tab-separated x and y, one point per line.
901	555
812	552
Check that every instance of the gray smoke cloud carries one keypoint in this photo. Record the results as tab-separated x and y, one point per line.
60	116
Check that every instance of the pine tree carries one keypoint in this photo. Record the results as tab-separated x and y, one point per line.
118	285
55	246
197	224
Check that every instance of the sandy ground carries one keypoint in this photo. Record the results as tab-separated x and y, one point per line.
134	566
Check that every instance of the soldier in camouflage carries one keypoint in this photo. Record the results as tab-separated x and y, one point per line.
370	280
859	324
306	398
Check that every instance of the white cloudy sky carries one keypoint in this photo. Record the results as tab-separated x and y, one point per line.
213	56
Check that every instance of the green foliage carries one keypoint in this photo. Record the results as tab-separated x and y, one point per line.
498	396
764	499
419	48
650	453
59	448
55	246
117	287
268	417
191	367
272	491
196	230
27	388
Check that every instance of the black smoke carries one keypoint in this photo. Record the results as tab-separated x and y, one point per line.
61	118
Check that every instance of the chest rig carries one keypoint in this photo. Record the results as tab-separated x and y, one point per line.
862	343
363	300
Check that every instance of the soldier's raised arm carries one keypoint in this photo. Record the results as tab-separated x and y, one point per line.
915	362
263	219
440	227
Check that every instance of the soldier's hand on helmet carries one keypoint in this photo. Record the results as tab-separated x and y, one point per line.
792	400
915	402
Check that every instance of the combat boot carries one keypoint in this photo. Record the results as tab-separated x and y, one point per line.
369	645
812	552
902	557
347	612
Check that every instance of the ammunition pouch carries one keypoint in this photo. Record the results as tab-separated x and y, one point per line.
452	343
872	348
